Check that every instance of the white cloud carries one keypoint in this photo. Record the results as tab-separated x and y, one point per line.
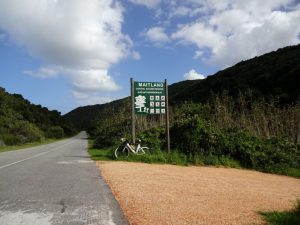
43	72
91	98
232	30
180	11
156	35
99	80
278	29
198	54
136	55
148	3
199	34
77	38
193	75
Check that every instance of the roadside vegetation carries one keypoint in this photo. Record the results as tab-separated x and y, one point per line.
22	122
99	154
219	134
28	145
283	218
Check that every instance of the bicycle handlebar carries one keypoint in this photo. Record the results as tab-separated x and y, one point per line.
124	140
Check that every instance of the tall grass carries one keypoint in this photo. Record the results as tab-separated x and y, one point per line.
262	118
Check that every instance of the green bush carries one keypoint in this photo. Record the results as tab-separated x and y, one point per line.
176	158
21	132
193	136
153	138
108	138
103	141
26	132
2	143
10	139
197	139
55	132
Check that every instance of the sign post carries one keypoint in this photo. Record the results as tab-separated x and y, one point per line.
132	111
167	116
150	98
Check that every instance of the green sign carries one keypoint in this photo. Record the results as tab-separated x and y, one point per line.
149	97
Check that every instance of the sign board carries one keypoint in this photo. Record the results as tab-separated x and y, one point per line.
149	98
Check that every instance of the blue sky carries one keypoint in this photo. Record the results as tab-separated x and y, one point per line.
68	53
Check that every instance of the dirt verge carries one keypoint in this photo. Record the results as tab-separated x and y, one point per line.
167	194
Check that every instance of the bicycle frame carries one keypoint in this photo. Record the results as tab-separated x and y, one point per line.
137	147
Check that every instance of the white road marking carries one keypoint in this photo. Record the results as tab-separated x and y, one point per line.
34	156
74	162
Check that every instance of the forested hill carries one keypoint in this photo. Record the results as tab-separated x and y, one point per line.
274	75
22	121
83	117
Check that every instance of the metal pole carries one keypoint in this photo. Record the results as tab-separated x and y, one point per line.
132	111
167	117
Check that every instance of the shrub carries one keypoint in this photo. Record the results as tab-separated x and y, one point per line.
55	132
103	141
108	138
194	136
2	143
177	158
9	139
197	139
24	132
153	138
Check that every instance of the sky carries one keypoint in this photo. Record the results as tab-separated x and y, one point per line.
63	54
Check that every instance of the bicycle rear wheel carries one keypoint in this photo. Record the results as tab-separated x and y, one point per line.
121	152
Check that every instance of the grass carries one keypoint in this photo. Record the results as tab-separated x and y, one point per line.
283	218
28	145
152	157
175	158
99	154
162	157
293	172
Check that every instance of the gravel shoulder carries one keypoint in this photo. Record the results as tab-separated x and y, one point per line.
167	194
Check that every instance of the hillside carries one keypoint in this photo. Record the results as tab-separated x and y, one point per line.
273	75
83	117
22	121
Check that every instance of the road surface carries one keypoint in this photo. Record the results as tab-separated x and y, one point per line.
55	184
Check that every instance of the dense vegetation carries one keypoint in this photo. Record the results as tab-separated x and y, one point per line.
273	74
22	122
247	115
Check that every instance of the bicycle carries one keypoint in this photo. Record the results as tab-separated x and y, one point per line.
126	147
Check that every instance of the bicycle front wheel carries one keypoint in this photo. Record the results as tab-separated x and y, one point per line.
121	152
143	150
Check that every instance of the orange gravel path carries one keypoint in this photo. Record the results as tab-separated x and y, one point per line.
167	194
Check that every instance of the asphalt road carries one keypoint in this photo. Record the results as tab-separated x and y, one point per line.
55	184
